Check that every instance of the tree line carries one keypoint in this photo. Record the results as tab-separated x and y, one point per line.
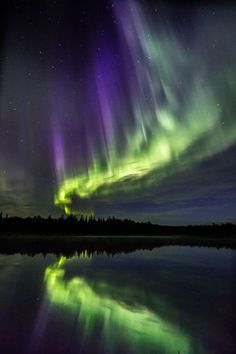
82	225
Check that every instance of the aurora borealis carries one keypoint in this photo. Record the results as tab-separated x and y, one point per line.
125	108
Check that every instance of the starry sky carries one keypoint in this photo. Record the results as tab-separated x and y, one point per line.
123	108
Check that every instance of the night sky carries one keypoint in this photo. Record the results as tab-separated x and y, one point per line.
123	108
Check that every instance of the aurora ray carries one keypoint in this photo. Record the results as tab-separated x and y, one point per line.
151	110
127	108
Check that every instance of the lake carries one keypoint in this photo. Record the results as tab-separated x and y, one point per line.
173	299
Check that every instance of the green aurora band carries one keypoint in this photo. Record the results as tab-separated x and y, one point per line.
142	329
176	107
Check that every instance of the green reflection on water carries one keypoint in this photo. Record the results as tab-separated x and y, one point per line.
142	330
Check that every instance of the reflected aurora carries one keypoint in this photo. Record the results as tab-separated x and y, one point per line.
141	328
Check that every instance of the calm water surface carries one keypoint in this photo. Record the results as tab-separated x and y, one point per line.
170	300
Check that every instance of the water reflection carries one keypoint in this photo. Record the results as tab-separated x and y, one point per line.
170	300
142	330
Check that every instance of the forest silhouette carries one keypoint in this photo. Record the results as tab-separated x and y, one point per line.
69	235
81	225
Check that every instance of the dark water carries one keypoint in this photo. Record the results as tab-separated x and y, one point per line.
170	300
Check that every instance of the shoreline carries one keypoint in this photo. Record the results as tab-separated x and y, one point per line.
71	244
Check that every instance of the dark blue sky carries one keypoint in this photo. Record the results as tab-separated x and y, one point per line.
123	108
